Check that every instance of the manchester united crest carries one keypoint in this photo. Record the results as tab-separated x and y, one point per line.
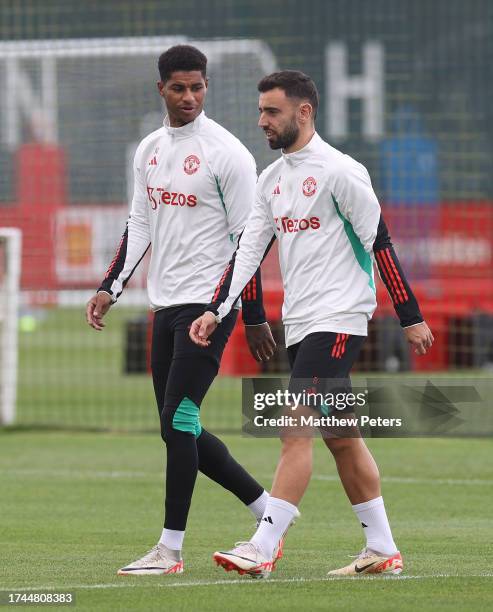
309	186
191	164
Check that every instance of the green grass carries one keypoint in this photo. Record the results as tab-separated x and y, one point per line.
73	376
76	506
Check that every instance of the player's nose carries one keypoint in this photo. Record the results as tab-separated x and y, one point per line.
188	96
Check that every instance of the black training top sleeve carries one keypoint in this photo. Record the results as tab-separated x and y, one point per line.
251	295
130	252
252	301
392	274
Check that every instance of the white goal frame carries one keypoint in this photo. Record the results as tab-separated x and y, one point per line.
42	107
9	317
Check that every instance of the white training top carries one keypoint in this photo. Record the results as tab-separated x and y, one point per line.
321	206
194	189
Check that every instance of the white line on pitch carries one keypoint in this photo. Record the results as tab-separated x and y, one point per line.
78	473
326	478
245	581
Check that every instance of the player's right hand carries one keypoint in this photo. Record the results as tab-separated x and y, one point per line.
96	308
202	328
419	337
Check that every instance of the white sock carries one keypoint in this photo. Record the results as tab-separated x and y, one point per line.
374	521
257	507
172	539
277	516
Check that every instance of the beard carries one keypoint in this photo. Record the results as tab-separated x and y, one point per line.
286	138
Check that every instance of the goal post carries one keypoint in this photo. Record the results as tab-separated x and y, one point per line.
10	270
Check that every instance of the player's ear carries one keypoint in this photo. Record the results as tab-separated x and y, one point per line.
305	112
206	80
160	86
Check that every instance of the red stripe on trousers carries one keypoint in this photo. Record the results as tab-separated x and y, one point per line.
339	344
334	348
343	346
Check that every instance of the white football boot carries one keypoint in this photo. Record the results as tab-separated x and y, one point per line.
245	558
370	562
158	561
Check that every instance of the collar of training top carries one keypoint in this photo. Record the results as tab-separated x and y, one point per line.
303	154
187	130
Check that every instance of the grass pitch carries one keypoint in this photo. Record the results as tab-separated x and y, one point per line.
71	376
76	506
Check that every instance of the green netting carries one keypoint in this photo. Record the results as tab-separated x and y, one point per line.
405	89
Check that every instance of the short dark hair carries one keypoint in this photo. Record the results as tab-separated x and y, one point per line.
294	83
181	57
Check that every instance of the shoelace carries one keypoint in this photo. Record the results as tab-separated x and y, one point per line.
154	549
361	555
250	545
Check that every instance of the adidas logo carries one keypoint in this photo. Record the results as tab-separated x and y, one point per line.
153	161
268	519
277	190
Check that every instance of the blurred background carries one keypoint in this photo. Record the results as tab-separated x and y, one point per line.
405	89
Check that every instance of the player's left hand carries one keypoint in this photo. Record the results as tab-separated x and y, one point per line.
260	341
96	308
202	328
420	337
